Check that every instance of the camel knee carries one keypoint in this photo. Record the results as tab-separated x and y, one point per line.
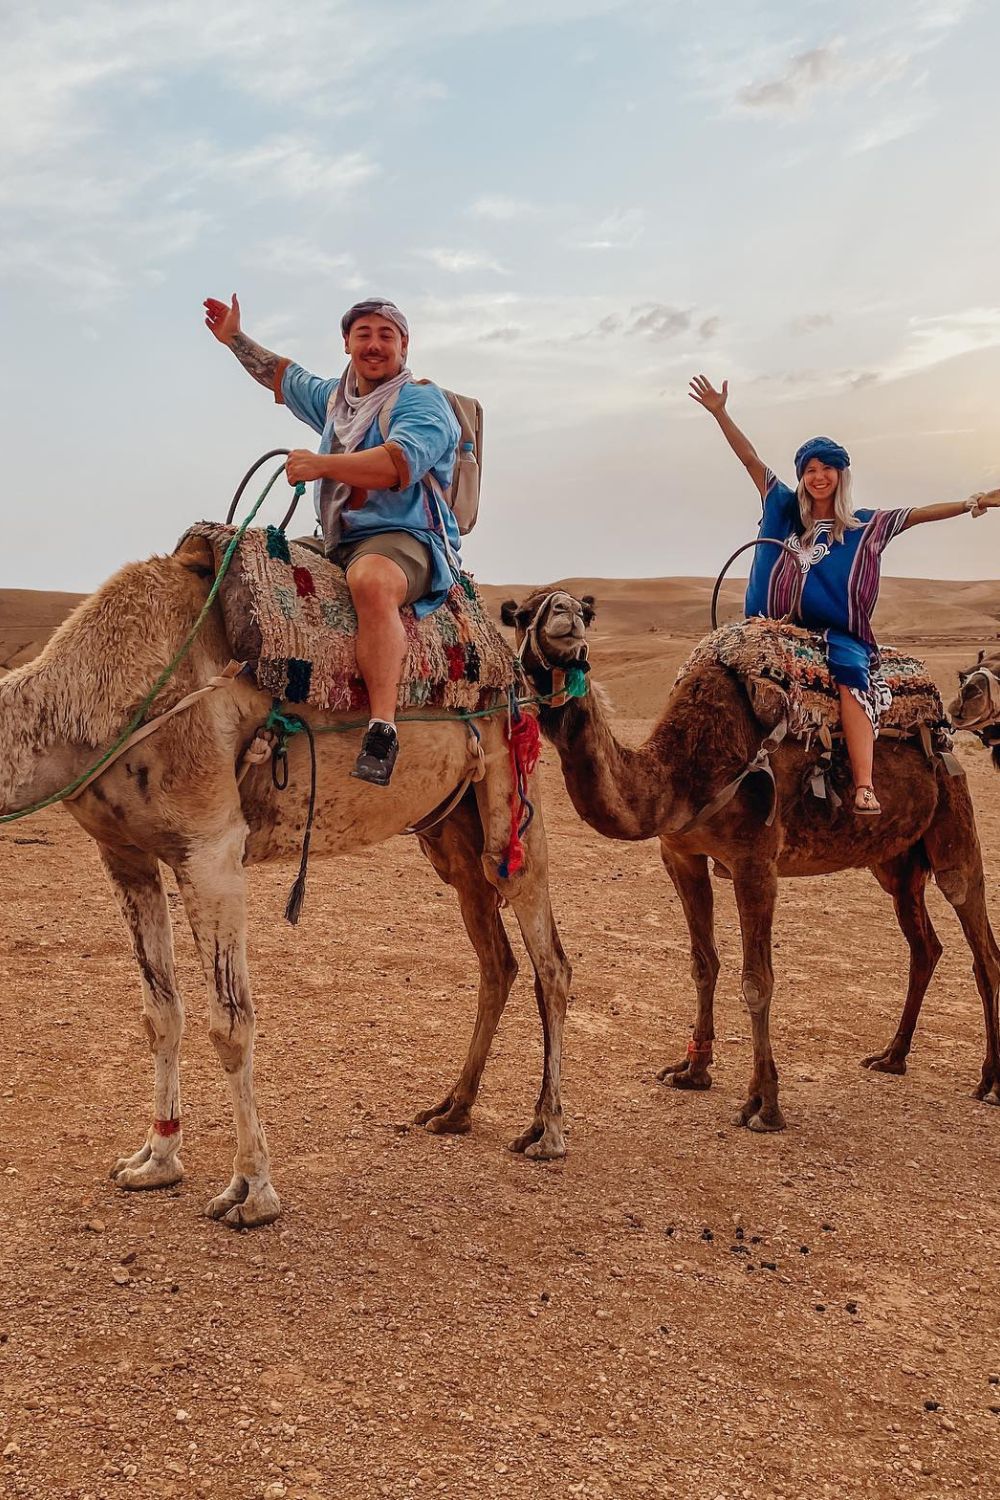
705	968
163	1027
757	994
953	885
232	1043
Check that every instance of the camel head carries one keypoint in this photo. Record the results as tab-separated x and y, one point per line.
977	705
550	630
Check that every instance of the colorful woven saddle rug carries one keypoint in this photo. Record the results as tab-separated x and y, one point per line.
288	614
785	672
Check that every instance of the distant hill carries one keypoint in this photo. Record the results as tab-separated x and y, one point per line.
645	627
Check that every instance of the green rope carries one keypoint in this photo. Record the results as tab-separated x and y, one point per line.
167	672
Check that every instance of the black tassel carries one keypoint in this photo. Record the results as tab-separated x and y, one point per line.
297	894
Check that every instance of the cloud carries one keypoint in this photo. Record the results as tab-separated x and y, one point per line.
708	328
285	167
804	75
460	261
507	335
295	256
930	341
657	321
892	127
619	231
810	322
495	206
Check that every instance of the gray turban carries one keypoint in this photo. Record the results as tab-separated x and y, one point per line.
381	309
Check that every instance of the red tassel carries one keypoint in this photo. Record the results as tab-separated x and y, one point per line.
525	748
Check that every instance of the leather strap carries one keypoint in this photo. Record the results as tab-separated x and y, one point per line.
226	678
761	762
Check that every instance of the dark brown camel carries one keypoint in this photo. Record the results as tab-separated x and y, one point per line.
705	736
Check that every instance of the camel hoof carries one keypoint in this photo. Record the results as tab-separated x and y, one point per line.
446	1119
991	1096
681	1076
540	1143
885	1062
765	1123
143	1171
243	1207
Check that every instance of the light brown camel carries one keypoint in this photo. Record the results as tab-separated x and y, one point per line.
174	799
705	736
976	707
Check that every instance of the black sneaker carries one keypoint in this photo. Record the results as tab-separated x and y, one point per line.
379	749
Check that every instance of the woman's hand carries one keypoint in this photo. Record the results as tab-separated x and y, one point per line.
223	320
301	466
704	392
988	500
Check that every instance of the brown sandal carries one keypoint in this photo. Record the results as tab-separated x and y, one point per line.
866	804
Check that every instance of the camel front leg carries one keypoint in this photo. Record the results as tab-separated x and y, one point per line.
213	887
544	1139
756	887
138	886
454	849
693	884
527	893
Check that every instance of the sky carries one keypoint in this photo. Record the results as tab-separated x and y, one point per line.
578	203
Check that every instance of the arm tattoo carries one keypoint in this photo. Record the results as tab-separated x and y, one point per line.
258	362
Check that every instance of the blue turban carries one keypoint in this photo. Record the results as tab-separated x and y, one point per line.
826	450
380	308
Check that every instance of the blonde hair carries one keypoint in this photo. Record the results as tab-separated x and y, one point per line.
844	518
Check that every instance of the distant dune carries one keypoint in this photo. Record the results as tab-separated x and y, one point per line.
646	626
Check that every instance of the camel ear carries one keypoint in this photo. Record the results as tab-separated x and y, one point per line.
508	612
981	657
589	612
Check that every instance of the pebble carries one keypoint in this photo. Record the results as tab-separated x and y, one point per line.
275	1491
95	1226
120	1277
11	1450
947	1424
180	1415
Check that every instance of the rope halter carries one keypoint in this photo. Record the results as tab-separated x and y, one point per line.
559	696
992	691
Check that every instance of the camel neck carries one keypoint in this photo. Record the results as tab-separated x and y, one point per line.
620	791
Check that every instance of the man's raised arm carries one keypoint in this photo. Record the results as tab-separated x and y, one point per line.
224	322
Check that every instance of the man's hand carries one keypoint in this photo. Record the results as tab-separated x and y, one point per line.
704	392
987	500
301	466
222	320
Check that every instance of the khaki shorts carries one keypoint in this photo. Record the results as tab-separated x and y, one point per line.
401	547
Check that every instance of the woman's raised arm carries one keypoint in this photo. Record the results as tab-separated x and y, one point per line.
975	505
704	392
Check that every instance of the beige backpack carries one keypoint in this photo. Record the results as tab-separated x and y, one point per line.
462	495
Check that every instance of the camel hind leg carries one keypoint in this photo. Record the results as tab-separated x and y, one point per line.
693	884
906	879
138	886
455	850
956	859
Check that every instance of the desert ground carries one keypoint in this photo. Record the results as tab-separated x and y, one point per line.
680	1308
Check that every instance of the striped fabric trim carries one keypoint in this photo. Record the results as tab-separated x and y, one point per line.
865	575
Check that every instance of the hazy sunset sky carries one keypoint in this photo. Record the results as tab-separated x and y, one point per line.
578	203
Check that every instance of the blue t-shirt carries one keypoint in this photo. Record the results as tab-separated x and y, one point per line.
423	426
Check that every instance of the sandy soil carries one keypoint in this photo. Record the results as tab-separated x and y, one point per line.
680	1308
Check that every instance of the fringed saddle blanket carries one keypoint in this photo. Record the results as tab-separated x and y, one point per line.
785	671
288	614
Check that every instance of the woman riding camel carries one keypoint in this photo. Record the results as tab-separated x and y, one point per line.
826	576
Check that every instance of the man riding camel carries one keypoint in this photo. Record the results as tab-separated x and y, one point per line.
377	498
